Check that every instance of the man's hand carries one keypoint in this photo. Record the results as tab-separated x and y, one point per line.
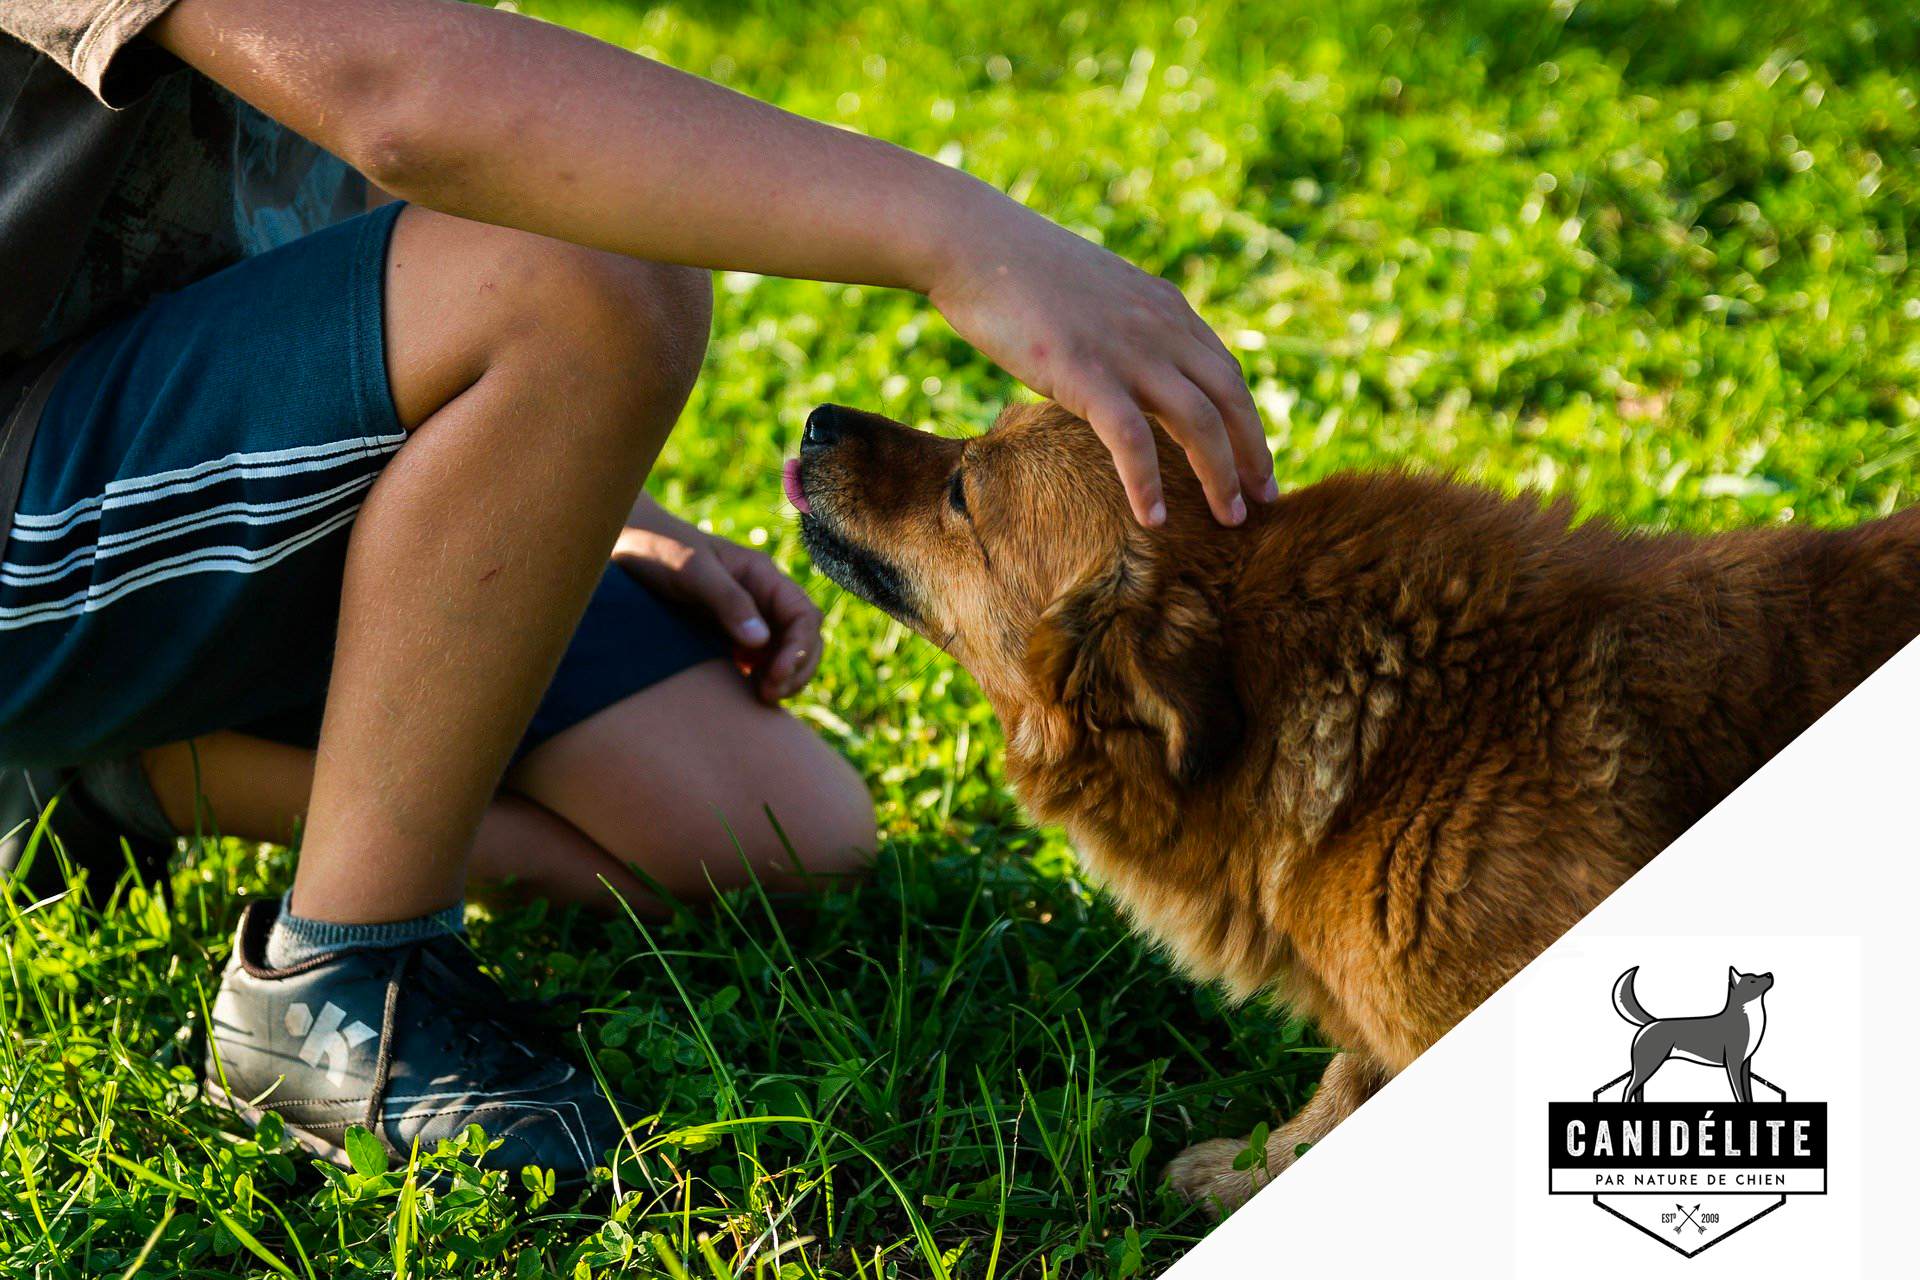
1106	340
773	623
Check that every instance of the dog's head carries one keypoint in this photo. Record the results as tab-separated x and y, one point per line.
1016	551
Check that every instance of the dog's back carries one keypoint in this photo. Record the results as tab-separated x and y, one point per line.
1704	654
1739	641
1866	581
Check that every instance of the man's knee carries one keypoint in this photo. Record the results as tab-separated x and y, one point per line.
837	830
649	319
465	299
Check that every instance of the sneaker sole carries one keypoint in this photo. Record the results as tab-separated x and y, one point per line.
313	1144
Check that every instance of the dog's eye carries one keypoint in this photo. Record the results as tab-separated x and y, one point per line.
957	494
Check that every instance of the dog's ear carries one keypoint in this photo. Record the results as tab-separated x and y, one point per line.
1733	976
1116	652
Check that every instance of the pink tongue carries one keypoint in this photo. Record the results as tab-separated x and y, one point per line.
790	478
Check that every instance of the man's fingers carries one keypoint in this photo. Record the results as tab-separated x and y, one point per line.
799	656
1220	378
1117	420
808	667
1192	419
1215	371
798	659
733	606
780	598
799	652
796	621
1208	338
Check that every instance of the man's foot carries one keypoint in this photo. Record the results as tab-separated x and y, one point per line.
413	1042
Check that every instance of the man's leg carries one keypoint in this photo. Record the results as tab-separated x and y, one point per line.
667	779
233	493
537	382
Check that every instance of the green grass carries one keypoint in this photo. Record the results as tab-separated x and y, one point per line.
1655	257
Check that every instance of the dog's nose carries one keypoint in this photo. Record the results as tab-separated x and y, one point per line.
822	430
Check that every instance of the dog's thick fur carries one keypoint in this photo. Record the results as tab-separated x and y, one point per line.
1375	749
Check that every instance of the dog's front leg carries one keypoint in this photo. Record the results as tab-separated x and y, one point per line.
1205	1171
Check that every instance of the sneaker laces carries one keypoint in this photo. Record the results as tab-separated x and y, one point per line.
465	1000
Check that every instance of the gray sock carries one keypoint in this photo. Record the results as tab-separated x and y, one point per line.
294	939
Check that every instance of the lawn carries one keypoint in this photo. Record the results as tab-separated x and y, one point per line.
1651	257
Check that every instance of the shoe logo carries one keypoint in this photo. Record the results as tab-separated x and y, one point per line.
1694	1166
325	1040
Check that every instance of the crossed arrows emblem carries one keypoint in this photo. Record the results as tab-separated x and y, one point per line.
1688	1215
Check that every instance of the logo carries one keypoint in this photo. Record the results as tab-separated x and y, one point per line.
325	1040
1719	1148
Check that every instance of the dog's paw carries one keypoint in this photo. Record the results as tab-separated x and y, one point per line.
1204	1173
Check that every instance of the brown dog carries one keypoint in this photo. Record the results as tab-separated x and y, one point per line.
1372	751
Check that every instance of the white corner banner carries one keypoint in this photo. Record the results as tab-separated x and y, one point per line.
1585	1121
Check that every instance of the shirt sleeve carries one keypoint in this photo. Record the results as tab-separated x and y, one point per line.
90	39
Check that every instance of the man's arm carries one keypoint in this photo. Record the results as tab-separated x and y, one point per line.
491	116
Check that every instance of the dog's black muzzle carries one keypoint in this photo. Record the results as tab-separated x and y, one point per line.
864	572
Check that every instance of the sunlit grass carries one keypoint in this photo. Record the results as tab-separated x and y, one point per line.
1652	257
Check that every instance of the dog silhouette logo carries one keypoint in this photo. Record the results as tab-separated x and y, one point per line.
1707	1154
1724	1039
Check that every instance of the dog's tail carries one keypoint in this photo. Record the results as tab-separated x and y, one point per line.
1625	1003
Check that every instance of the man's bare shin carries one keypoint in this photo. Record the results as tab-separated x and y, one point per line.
478	548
